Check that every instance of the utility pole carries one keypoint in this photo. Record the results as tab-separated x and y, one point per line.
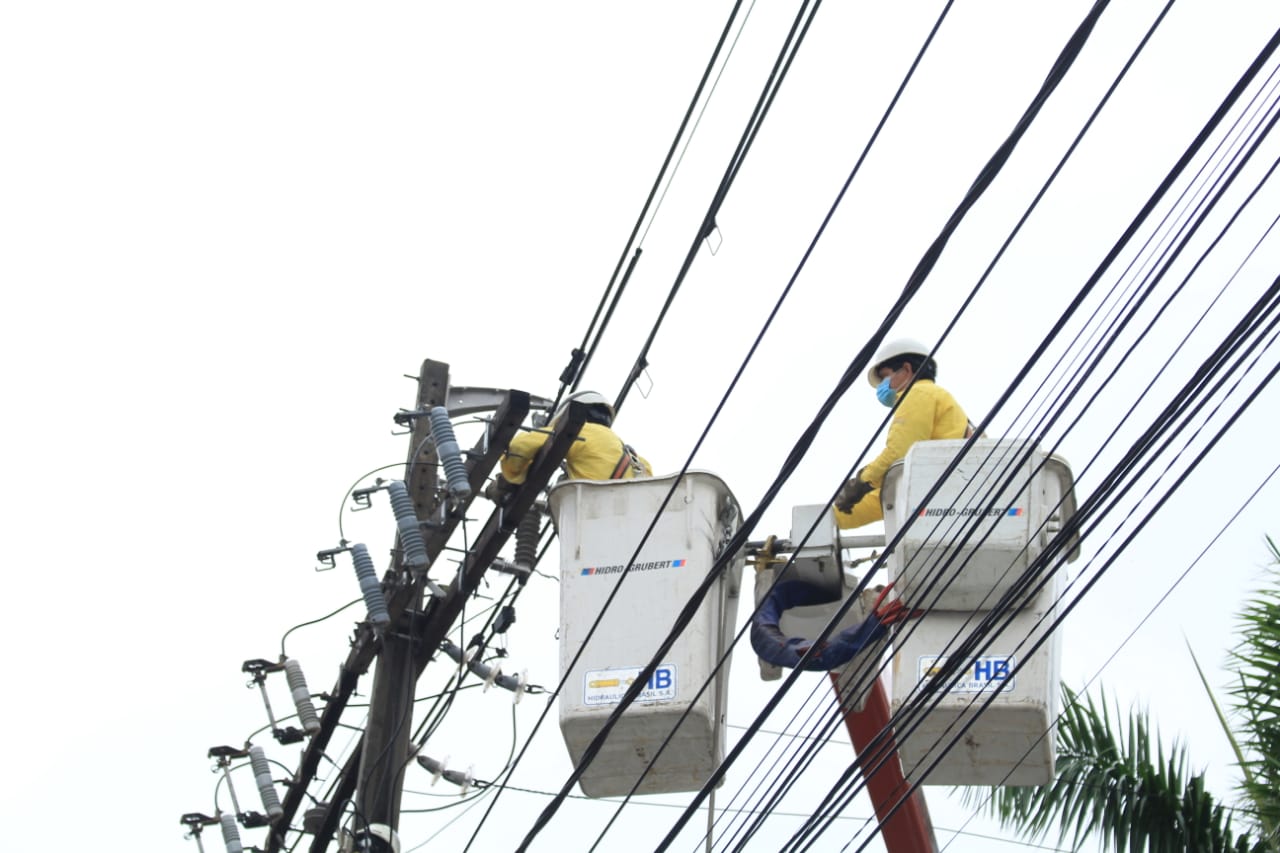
374	771
385	753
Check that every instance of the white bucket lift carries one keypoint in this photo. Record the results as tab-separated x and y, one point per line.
600	524
1013	508
1022	503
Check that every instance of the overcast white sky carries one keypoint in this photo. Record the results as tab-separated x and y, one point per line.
228	230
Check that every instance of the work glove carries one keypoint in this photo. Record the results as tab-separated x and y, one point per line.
499	489
852	492
892	611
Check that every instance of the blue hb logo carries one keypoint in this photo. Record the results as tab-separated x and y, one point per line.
991	669
660	680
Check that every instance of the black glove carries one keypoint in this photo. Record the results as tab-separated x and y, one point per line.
852	492
499	489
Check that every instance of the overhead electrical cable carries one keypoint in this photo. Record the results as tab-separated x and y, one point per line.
1230	99
1164	597
1206	204
795	37
984	179
854	171
1141	524
781	65
853	372
685	149
576	367
1044	188
581	356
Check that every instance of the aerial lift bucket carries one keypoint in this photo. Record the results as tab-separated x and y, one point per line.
992	722
602	525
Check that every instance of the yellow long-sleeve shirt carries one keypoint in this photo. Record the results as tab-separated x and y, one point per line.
593	456
926	413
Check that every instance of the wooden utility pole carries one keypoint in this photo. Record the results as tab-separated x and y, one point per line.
374	772
385	752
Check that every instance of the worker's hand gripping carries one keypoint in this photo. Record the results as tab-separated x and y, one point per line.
852	492
499	490
892	611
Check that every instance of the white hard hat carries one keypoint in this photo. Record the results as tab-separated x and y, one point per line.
589	398
891	350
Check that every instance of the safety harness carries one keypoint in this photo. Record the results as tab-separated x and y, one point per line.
629	460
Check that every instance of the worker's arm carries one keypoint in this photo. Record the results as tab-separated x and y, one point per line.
912	422
515	462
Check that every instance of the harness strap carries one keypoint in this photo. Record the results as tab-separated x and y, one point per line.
629	460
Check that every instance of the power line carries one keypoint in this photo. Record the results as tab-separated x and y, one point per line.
926	264
581	357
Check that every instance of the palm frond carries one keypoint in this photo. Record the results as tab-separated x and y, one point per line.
1116	781
1256	660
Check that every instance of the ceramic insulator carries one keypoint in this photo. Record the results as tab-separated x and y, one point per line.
449	454
301	697
374	600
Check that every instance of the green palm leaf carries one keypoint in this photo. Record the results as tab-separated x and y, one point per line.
1115	779
1118	783
1256	660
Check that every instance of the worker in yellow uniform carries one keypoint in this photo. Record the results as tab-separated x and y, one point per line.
926	412
597	453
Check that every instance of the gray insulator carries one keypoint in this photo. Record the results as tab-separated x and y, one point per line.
411	543
438	769
449	454
491	675
374	601
527	536
262	775
230	833
301	697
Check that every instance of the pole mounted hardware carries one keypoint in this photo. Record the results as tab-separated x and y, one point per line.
259	669
224	756
195	822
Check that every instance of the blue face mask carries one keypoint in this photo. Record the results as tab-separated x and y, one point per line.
885	394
